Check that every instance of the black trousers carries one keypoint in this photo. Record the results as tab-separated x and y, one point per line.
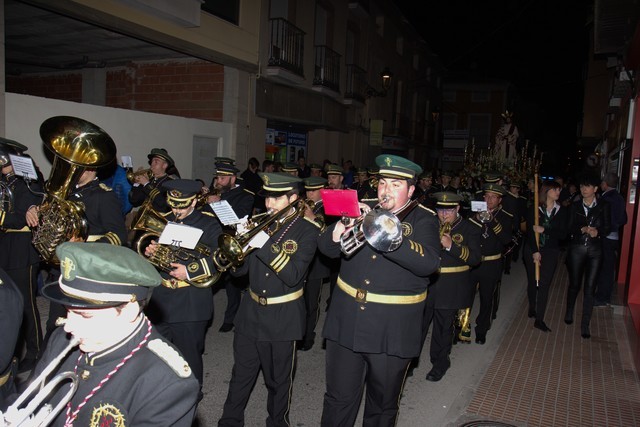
26	280
188	337
277	360
583	264
347	372
539	295
607	275
312	294
441	335
487	275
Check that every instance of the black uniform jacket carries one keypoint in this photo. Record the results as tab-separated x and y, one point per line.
394	329
496	234
188	303
599	217
103	211
153	190
11	304
451	288
16	250
320	267
275	270
555	227
155	387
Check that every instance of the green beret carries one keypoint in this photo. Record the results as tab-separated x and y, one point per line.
492	187
314	183
225	168
446	199
333	169
181	192
278	183
289	167
101	275
162	153
392	166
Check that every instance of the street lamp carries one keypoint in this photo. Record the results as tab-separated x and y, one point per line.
386	77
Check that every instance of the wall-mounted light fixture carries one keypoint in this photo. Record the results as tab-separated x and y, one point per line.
435	114
385	77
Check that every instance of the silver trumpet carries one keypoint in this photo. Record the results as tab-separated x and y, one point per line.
36	413
378	227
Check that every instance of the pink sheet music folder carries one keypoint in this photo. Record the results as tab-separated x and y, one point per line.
340	202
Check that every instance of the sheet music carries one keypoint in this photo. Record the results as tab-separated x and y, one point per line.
180	235
23	166
225	212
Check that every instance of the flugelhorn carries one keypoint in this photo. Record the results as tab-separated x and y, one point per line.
131	174
37	413
378	227
232	250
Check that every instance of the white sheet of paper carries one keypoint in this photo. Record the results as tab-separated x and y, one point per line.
23	166
127	162
180	235
258	241
478	206
225	212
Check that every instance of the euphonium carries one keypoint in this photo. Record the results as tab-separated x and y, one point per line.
37	413
378	227
232	250
77	145
153	223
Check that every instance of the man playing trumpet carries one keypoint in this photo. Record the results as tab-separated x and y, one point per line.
128	374
453	288
145	188
374	323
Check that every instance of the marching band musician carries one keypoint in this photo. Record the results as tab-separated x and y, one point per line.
272	314
151	189
362	185
180	311
374	324
226	187
496	233
334	177
105	223
319	269
128	374
11	309
18	257
453	288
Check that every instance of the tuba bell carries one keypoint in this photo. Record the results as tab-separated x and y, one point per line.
152	223
232	250
77	145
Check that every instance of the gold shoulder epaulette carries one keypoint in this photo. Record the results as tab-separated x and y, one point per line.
313	222
171	357
104	186
421	206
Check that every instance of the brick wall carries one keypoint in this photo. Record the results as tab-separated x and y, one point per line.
187	88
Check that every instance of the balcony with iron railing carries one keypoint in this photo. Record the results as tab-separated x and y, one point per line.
287	46
327	68
356	84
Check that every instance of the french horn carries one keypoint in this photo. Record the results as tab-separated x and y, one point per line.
77	145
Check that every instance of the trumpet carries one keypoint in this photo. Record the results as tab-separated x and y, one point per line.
30	415
232	250
378	227
445	229
131	175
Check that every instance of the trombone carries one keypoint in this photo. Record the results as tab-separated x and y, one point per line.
30	415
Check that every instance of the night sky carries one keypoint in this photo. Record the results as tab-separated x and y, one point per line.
538	45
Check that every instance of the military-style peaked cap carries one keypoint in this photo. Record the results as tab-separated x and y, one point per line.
494	188
278	183
446	199
181	192
162	153
333	169
314	183
289	167
94	275
392	166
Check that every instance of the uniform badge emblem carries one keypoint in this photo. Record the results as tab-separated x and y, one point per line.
106	415
457	238
265	178
387	161
193	267
407	229
68	267
275	248
289	247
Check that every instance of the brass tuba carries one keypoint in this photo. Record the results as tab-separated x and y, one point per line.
153	223
232	250
6	198
77	145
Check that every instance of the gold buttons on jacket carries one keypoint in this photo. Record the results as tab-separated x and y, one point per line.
367	281
374	256
85	375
